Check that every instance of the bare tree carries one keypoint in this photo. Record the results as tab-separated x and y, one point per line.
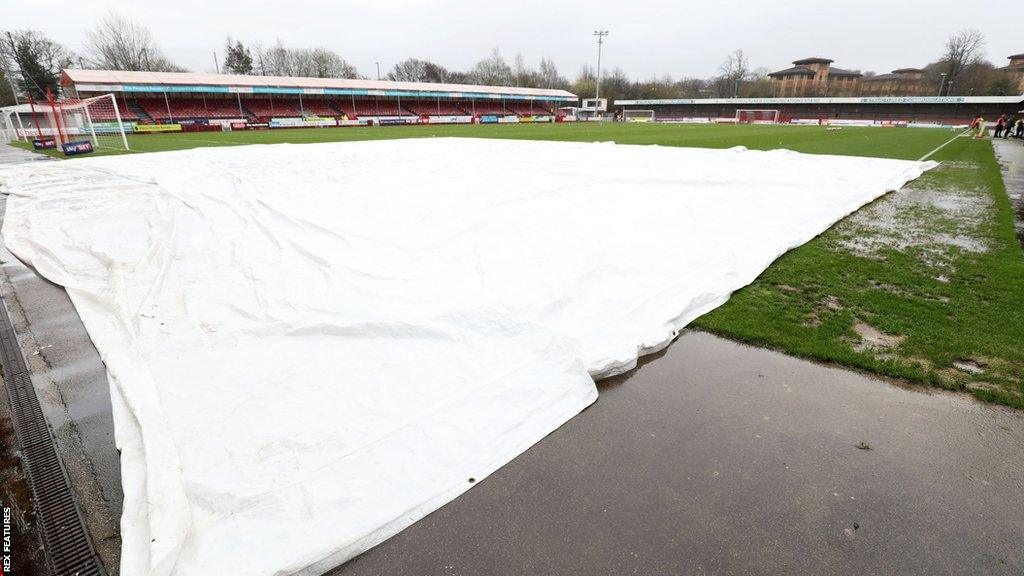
416	70
688	88
585	82
616	86
492	71
273	61
733	71
118	43
549	76
319	63
521	74
408	70
279	60
963	50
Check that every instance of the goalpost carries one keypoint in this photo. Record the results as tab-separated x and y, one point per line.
638	115
757	116
96	119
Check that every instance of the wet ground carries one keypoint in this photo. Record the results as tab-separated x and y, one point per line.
1011	157
72	387
73	391
26	552
711	458
718	458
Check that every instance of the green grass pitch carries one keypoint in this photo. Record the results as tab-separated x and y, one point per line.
887	142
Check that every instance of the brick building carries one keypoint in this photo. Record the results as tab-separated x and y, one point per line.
900	82
812	77
1016	71
815	77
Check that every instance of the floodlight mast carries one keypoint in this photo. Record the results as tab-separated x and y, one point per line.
597	92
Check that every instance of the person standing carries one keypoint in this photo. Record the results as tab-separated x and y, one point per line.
1000	124
1020	127
979	126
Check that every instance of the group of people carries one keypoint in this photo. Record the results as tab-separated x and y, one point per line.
1006	127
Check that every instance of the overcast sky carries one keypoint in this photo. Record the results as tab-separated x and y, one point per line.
677	37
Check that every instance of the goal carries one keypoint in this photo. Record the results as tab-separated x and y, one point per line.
757	116
638	115
96	119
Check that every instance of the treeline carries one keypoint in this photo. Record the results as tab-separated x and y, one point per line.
30	62
495	70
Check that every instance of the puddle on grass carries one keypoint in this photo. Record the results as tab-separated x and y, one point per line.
969	366
872	338
930	222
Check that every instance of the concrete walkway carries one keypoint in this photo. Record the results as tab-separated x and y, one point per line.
11	155
718	458
71	384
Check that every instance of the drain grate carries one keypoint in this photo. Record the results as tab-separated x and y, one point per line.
69	551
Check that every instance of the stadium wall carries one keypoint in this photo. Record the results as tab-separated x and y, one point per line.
911	110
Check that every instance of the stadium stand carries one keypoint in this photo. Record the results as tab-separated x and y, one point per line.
192	98
375	108
313	108
525	109
268	108
188	108
434	108
488	109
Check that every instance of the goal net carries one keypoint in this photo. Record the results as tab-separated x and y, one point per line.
757	116
638	115
96	119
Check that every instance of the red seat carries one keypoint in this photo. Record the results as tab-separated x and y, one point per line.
434	108
189	108
376	108
525	109
271	108
487	109
313	108
103	111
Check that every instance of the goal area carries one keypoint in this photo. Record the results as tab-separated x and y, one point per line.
757	116
96	119
638	115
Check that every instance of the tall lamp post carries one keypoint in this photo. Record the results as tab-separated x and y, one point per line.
942	83
597	92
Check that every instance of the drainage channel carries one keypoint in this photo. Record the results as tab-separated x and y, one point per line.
68	549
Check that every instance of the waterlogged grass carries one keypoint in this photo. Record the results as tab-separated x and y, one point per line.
925	285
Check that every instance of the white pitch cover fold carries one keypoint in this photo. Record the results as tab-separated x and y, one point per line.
310	347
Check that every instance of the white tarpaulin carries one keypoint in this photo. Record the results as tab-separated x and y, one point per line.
312	346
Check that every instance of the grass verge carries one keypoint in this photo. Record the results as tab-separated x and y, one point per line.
925	284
